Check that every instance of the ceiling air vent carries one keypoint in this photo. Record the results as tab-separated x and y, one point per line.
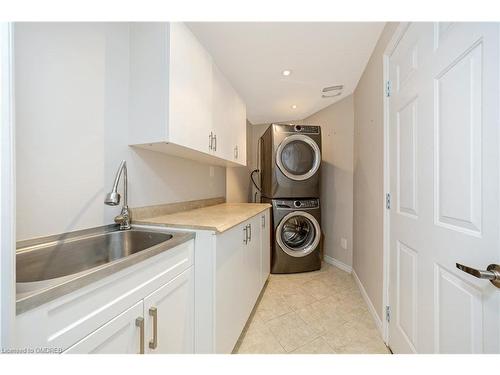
337	90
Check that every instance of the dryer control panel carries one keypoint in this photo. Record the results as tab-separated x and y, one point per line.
292	128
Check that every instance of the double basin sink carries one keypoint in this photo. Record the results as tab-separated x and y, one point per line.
50	267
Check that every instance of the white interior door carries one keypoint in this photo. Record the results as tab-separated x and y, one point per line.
444	183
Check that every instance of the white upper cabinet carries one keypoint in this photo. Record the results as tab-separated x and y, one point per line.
229	120
180	103
190	99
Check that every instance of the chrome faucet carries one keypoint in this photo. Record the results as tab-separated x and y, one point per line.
113	198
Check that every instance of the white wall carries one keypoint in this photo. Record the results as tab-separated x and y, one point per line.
71	107
337	129
369	173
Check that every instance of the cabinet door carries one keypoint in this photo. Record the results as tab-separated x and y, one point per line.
222	115
121	335
265	247
230	296
229	120
239	114
190	109
252	257
169	316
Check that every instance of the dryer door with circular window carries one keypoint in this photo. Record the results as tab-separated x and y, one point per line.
298	160
298	157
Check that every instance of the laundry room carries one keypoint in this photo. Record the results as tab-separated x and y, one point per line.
232	187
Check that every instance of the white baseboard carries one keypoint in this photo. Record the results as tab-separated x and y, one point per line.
337	263
372	310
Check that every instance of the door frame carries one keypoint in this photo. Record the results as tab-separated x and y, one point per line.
390	48
7	187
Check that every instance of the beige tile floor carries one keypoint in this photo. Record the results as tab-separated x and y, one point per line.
318	312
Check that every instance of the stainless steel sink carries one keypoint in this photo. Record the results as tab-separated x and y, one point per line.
51	267
71	255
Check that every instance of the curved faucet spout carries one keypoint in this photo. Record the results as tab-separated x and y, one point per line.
113	198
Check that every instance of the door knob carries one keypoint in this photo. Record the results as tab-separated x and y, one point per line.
492	273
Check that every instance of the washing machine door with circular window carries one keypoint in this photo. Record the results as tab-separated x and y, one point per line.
298	234
298	157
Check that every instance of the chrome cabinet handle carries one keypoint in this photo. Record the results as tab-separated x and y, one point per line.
215	142
153	344
263	221
245	234
236	152
249	232
139	322
210	141
492	273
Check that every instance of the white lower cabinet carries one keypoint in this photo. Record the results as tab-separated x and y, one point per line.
122	335
265	246
114	314
236	282
230	278
169	316
252	269
162	323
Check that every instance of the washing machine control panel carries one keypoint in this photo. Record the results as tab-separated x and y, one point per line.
310	203
297	203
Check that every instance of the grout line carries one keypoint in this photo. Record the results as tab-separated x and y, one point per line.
295	311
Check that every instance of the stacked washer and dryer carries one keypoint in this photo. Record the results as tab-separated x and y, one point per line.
290	161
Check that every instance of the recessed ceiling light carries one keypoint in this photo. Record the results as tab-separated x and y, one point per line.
286	72
293	106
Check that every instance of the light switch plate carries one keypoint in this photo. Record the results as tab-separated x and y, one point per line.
343	243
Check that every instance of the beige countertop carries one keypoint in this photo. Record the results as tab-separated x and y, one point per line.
218	218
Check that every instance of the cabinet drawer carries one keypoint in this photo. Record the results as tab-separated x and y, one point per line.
66	320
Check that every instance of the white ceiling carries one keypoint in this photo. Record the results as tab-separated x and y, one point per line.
253	54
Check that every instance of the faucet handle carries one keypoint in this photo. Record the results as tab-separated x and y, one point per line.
120	219
123	219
